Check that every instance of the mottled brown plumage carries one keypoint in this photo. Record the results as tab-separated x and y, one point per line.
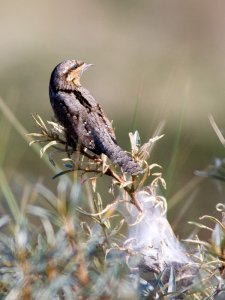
83	118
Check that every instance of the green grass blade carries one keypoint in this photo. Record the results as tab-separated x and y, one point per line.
10	199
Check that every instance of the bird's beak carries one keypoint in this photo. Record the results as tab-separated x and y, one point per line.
85	67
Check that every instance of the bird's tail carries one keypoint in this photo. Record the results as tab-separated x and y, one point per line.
121	158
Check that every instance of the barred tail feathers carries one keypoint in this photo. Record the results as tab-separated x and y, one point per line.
121	158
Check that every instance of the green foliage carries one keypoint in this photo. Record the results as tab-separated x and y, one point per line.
69	245
51	253
51	247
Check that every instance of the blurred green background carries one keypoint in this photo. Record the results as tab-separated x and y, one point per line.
153	60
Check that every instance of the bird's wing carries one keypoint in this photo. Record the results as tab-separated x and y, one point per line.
98	112
73	116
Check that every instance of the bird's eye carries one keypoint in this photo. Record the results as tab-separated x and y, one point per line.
74	67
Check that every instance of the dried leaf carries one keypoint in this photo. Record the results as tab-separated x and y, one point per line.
34	134
52	143
199	225
145	149
117	229
135	141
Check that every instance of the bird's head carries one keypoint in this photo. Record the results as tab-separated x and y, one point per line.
66	75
